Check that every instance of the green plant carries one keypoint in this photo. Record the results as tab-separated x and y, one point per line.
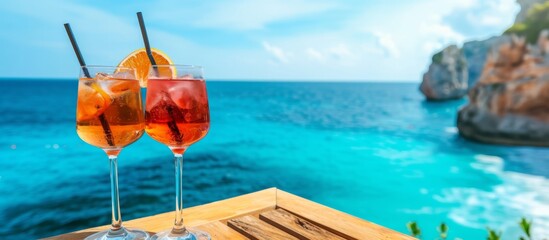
443	231
524	224
414	229
536	20
493	235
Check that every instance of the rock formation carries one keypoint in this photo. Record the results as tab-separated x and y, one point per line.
447	77
475	54
529	22
443	85
510	102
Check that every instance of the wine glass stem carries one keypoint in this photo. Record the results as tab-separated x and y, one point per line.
116	216
178	227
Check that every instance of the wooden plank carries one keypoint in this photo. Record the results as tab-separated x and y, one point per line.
194	216
296	226
340	223
256	229
220	231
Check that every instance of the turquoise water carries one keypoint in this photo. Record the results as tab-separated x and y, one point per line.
374	150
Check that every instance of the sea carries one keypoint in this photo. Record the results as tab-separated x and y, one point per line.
378	151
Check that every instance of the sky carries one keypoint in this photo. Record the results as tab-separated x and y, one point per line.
335	40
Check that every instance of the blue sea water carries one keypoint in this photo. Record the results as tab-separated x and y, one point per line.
374	150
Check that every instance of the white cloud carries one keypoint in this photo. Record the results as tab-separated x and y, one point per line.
315	54
340	52
276	52
431	46
480	18
441	31
466	3
386	42
490	20
256	14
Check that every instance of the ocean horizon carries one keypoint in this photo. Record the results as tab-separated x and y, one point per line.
375	150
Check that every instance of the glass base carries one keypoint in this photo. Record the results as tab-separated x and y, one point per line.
122	234
191	234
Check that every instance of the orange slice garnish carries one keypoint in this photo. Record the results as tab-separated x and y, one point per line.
139	60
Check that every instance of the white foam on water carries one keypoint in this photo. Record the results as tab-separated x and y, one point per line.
424	211
489	159
452	130
488	164
500	206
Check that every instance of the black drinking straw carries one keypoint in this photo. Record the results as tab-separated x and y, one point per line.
77	50
146	38
171	124
102	119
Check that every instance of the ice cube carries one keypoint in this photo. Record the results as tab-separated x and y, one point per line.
187	77
123	75
102	76
104	85
183	95
165	110
186	91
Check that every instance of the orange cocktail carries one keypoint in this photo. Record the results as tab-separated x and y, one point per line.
109	115
109	112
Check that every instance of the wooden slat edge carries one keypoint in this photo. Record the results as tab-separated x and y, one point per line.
296	226
220	231
256	229
336	221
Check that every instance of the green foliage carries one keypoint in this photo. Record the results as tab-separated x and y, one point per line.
493	235
443	231
525	226
437	58
414	229
536	20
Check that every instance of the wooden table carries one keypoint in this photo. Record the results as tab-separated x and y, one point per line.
268	214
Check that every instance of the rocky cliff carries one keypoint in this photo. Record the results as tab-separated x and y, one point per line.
509	104
531	19
507	81
475	54
449	80
447	75
446	85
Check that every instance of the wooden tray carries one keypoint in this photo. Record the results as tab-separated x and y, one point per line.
268	214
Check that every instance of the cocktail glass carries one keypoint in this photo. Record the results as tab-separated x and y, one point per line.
109	115
177	115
